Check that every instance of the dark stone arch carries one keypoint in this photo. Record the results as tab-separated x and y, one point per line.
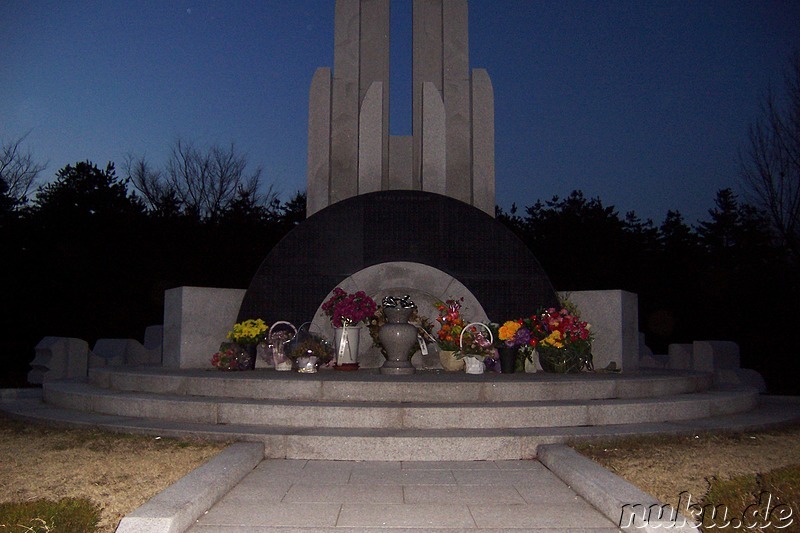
397	225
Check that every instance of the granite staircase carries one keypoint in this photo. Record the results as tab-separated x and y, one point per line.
431	415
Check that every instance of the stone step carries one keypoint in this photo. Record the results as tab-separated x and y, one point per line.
406	444
424	386
84	396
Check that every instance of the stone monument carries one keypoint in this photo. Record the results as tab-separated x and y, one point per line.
400	215
451	150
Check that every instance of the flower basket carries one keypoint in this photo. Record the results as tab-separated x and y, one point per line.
473	361
279	336
309	350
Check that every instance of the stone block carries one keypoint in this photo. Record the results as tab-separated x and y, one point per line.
112	352
196	321
680	357
153	337
59	358
738	377
117	352
483	183
614	317
713	355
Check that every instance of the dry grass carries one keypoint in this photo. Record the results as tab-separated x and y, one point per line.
118	472
728	468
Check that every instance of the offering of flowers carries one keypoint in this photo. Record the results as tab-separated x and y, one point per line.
564	341
451	324
248	332
475	343
313	346
346	309
230	356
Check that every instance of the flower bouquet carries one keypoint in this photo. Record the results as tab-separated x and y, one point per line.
231	356
246	335
451	324
347	311
565	341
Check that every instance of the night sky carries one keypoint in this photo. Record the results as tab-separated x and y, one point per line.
642	103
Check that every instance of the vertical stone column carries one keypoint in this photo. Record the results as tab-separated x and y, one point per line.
374	67
319	142
483	191
427	60
345	100
456	92
451	150
434	146
371	155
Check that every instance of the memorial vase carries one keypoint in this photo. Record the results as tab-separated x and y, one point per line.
397	337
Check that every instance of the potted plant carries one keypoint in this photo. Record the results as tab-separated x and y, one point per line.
348	312
246	335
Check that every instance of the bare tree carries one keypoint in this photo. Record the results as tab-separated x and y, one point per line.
207	182
771	162
196	182
18	170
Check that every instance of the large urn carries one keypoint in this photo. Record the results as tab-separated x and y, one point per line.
397	336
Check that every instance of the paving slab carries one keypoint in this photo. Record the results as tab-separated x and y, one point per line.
414	495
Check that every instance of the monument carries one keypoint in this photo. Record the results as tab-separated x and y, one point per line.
451	150
400	214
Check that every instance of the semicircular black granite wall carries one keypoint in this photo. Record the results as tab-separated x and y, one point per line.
416	226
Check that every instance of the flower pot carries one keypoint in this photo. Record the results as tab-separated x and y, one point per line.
508	359
449	361
345	344
473	365
559	360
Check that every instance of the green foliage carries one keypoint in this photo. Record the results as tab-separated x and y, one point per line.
68	515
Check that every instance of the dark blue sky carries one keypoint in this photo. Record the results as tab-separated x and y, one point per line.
642	103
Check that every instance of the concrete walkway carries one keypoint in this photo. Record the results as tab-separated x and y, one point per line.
292	495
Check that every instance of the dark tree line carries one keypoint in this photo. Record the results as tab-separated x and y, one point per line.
728	278
88	257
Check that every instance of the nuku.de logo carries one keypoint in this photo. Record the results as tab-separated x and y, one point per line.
760	515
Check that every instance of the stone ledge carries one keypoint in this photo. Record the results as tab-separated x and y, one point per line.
177	507
606	491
